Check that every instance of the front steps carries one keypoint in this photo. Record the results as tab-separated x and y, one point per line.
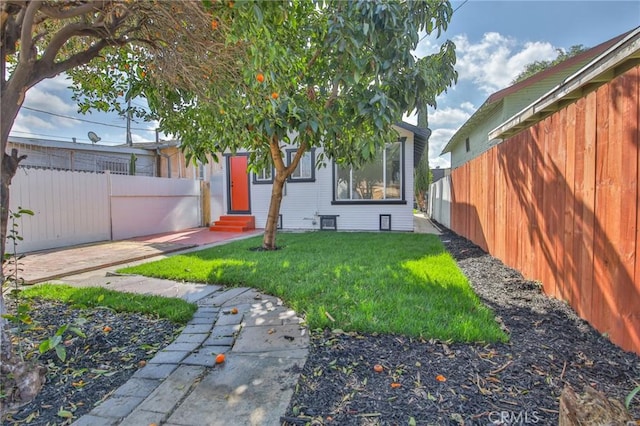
236	223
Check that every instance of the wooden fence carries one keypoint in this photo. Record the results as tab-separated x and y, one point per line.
559	202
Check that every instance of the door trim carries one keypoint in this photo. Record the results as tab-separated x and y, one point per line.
228	172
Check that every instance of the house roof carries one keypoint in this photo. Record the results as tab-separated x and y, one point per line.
155	145
438	173
618	58
496	99
77	146
420	139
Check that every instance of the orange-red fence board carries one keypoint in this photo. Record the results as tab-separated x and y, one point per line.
559	201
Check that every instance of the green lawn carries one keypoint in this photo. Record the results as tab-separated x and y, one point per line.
368	282
173	309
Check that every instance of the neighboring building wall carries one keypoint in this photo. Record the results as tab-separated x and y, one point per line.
527	95
505	108
559	202
478	140
304	202
56	155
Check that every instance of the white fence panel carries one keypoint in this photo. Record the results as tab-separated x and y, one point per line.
440	201
70	208
146	205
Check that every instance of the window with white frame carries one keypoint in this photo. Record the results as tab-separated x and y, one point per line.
305	171
378	181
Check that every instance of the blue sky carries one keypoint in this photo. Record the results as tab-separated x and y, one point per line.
495	40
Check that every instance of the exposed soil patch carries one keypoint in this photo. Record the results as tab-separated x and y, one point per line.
431	382
116	345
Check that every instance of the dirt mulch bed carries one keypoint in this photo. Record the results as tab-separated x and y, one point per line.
431	382
95	366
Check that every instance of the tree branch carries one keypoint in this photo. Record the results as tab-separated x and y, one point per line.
299	153
80	58
57	13
276	155
334	94
69	31
27	25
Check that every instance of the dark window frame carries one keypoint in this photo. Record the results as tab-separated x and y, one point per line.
403	183
258	181
290	154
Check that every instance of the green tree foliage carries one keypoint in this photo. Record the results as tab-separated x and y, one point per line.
537	66
421	180
332	74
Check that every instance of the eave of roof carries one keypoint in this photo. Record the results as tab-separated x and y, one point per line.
492	100
420	139
620	57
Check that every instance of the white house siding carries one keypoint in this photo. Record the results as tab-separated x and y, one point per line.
304	202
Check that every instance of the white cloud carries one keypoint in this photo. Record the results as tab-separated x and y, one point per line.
26	123
427	46
437	141
450	117
493	62
44	97
444	123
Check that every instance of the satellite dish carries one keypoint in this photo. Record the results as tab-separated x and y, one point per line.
93	137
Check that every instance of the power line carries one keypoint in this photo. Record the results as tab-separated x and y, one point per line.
85	121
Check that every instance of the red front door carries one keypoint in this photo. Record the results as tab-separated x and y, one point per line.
238	185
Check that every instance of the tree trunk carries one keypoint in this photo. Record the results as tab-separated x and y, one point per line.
269	240
282	173
27	377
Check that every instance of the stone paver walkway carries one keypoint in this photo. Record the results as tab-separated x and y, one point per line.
265	345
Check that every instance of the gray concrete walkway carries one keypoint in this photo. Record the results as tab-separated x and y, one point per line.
423	225
265	345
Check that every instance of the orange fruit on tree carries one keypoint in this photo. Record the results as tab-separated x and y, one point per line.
106	329
260	77
220	358
274	95
378	368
